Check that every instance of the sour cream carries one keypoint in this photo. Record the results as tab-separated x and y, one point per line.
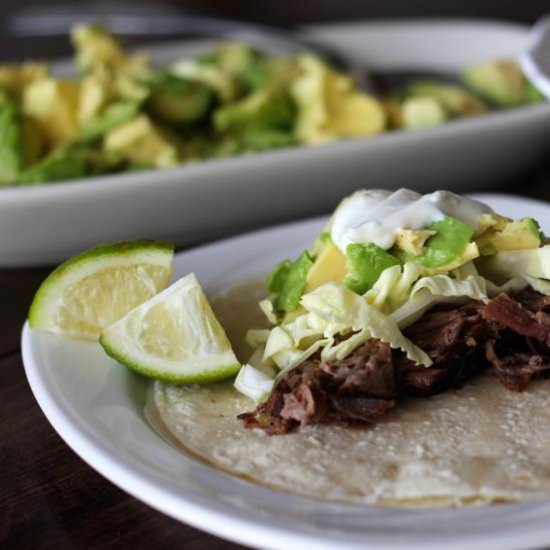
375	216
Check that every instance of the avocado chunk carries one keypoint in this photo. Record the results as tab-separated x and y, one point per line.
97	49
411	241
502	82
357	114
241	63
455	100
179	101
422	112
263	109
329	106
100	55
451	238
491	221
15	77
96	92
276	279
114	115
532	95
264	139
515	235
287	282
34	142
321	242
64	164
365	263
11	143
222	84
141	141
71	162
329	266
54	104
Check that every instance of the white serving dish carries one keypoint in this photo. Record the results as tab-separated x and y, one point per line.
96	406
194	203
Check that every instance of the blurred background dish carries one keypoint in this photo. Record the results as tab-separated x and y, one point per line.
206	200
112	111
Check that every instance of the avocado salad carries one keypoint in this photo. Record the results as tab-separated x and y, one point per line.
121	113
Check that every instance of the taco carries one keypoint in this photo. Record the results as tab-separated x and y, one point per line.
403	361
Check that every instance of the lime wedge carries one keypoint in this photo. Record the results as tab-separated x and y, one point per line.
174	336
94	289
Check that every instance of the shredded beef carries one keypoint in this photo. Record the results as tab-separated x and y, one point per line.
367	371
359	407
511	314
445	334
509	337
515	367
417	380
360	387
533	301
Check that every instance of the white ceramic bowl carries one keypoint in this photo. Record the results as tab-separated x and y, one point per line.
216	198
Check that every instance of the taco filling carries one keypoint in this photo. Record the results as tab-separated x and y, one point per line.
507	338
402	295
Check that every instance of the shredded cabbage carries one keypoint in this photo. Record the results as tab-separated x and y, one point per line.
292	357
471	252
465	270
331	310
400	296
513	285
267	308
540	285
382	289
279	340
254	383
343	311
267	366
473	286
508	264
344	348
437	289
393	286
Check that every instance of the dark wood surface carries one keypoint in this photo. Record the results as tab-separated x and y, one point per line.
286	13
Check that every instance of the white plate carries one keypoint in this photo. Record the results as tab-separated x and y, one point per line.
97	408
217	198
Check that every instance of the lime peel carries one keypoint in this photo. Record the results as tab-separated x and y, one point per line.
118	275
174	337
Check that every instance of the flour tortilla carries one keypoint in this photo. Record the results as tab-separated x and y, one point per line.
478	445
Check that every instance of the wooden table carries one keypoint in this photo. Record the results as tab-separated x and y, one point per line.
49	498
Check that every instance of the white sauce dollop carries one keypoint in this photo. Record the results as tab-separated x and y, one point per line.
375	216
